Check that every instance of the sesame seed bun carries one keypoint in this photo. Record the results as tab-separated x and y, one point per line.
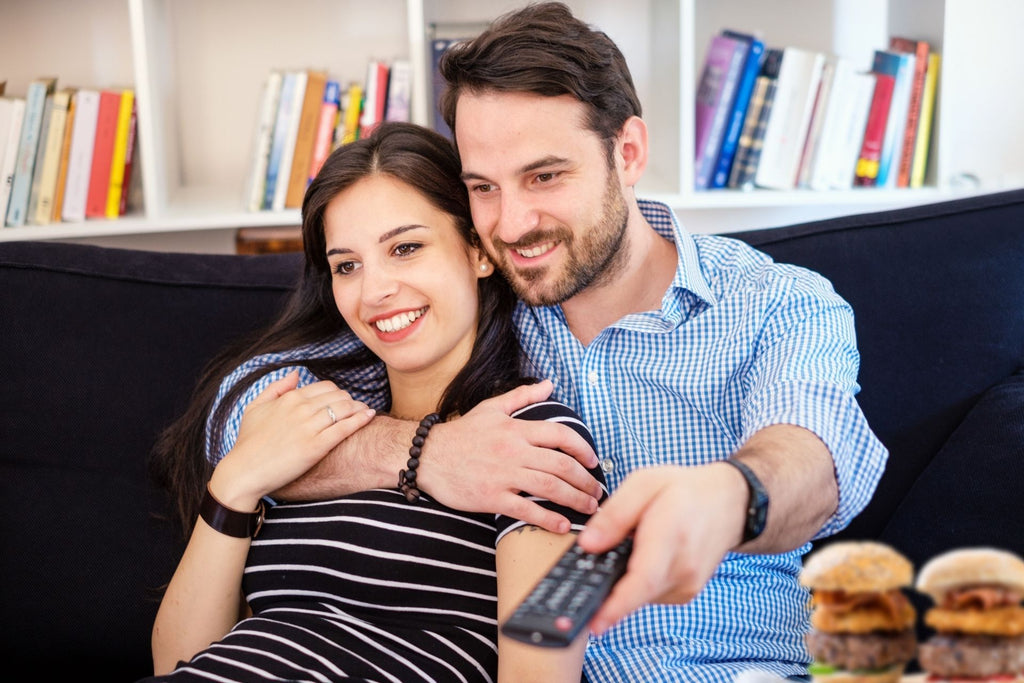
970	567
857	567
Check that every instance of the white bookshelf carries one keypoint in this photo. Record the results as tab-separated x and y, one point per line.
198	68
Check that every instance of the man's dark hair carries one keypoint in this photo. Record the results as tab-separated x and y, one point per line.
545	50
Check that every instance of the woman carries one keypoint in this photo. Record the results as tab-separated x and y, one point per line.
383	584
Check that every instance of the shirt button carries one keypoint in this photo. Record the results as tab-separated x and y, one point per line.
607	465
593	377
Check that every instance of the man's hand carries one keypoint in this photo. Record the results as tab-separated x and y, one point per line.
684	520
482	460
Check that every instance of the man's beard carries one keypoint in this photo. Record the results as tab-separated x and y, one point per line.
594	258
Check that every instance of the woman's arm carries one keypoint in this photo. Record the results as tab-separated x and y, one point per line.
523	556
284	432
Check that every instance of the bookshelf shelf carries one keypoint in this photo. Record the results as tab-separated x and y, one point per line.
198	67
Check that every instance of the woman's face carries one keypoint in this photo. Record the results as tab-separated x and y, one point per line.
403	277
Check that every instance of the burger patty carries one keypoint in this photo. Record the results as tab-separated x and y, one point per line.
862	650
972	655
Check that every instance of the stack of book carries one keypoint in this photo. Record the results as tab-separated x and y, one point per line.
304	115
787	118
66	154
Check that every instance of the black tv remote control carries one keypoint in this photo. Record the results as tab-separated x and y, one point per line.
565	600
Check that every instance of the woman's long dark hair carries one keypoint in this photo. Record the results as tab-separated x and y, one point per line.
420	158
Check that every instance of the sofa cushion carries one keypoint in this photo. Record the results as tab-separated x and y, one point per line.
971	491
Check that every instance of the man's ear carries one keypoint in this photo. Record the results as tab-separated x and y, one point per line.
632	150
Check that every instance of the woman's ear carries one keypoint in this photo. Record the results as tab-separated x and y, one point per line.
632	150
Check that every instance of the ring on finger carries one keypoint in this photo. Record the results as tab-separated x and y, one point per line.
330	414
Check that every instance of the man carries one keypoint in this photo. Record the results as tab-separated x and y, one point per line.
719	385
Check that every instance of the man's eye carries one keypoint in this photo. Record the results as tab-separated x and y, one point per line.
546	177
483	188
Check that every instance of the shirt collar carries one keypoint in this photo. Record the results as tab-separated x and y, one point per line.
689	276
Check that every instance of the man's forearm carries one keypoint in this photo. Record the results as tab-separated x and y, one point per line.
797	470
369	458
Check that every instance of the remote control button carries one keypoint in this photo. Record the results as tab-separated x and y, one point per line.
563	623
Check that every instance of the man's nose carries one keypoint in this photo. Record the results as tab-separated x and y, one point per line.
519	216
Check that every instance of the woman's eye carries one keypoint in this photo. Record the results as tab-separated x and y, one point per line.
345	267
406	248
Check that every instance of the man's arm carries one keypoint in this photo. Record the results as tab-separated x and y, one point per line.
685	519
478	462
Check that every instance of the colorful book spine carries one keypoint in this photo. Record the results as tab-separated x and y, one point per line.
353	108
83	139
31	128
129	162
37	166
65	155
751	69
305	137
118	160
723	64
896	124
269	103
375	97
920	50
278	140
325	128
866	172
103	154
924	133
284	171
399	91
50	167
745	165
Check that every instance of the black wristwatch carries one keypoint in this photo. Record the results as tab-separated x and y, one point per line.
757	504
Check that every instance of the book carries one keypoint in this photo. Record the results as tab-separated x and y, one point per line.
102	153
734	125
278	141
305	136
129	161
325	128
892	143
83	137
748	151
51	159
37	166
795	92
350	120
12	116
291	134
920	50
866	171
374	97
812	145
399	91
924	132
62	168
437	48
843	129
269	99
716	90
126	119
31	127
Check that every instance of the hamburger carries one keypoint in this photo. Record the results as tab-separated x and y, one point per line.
977	618
862	623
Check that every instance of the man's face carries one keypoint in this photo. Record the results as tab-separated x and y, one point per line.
547	206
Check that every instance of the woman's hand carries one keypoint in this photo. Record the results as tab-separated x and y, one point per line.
284	432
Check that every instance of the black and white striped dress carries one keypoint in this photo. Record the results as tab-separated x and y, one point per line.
369	587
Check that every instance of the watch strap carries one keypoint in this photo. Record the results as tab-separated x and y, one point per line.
230	522
757	502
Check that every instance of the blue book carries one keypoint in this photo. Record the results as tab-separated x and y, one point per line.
752	67
28	143
279	138
901	65
720	77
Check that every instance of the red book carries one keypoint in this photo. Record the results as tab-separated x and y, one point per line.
920	49
103	153
129	163
874	132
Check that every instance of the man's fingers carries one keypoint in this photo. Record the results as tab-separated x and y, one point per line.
517	507
522	396
556	436
617	517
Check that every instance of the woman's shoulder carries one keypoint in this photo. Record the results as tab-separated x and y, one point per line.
555	411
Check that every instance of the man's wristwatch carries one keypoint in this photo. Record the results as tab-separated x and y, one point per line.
757	504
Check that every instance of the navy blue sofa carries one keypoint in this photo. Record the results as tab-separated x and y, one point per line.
100	348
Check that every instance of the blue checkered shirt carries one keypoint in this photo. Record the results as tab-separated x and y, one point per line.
739	343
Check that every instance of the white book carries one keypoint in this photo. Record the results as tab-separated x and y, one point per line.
790	117
284	170
812	145
83	137
892	143
850	135
261	147
829	155
31	127
399	91
12	115
37	166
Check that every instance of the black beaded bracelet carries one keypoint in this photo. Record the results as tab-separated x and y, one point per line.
407	477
